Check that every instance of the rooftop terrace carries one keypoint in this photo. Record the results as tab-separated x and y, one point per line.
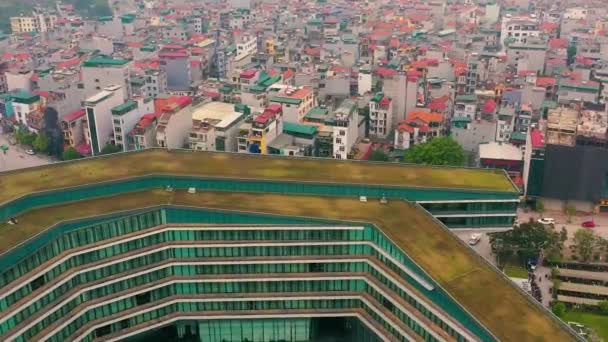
471	281
160	161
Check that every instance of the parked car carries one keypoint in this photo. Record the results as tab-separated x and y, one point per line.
588	224
546	220
474	239
30	152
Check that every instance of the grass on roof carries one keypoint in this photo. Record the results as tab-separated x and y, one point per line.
476	286
93	170
597	322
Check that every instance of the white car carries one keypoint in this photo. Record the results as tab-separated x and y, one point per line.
474	239
546	220
30	152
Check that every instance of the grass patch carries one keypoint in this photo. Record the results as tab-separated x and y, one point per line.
476	286
597	322
516	271
94	170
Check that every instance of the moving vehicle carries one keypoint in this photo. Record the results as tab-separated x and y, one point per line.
546	220
474	239
30	152
588	224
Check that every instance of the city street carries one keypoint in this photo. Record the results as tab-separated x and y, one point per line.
16	158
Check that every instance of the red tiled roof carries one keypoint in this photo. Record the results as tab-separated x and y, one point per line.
385	72
83	149
248	74
312	51
556	61
545	82
135	45
558	43
438	106
426	117
69	63
75	115
173	54
287	74
489	107
43	93
537	139
526	72
548	26
385	101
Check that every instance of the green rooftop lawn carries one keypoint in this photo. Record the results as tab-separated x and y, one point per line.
597	322
482	291
21	182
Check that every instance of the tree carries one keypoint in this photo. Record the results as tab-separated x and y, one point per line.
109	149
41	143
571	54
603	305
563	235
379	155
584	243
438	151
525	241
24	138
540	206
570	211
559	309
70	153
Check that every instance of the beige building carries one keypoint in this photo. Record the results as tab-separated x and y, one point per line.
215	127
34	23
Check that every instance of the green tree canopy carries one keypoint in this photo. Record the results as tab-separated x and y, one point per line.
525	241
584	243
570	211
70	153
558	309
571	54
379	155
41	143
603	305
109	149
438	151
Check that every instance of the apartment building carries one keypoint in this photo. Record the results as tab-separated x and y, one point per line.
28	110
174	123
100	72
255	136
518	29
380	116
345	129
246	45
126	115
155	82
295	102
38	22
99	127
143	135
215	127
73	129
175	64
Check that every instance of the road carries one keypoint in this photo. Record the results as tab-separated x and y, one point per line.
482	248
16	158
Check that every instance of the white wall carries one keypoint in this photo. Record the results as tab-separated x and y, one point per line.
103	119
178	128
19	81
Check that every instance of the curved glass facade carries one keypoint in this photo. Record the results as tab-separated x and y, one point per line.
86	281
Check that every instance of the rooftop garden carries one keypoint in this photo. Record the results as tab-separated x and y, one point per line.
160	161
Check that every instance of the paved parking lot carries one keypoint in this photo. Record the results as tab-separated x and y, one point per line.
16	158
482	248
